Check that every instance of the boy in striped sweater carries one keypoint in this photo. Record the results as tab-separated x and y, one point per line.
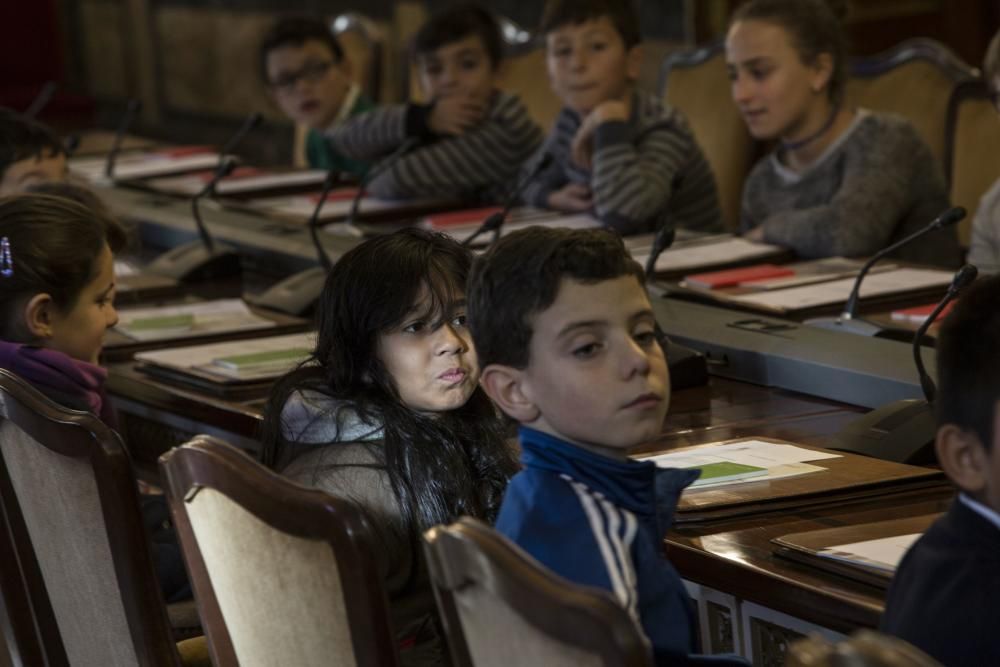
564	334
619	151
472	138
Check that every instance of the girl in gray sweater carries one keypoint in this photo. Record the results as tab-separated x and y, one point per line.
842	181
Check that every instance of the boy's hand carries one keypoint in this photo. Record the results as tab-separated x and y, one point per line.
756	234
456	115
573	198
582	147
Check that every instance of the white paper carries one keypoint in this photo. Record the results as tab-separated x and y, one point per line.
746	452
124	268
210	317
189	184
301	206
884	553
461	233
143	165
203	356
710	251
837	291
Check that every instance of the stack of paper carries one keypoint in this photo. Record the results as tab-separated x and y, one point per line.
778	460
204	318
883	554
252	359
243	180
518	219
146	164
337	207
707	251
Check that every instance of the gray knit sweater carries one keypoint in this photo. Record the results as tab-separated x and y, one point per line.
644	171
480	164
878	183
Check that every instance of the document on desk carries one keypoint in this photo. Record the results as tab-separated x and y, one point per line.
837	291
516	223
706	251
205	318
147	164
882	554
779	460
242	181
338	205
252	359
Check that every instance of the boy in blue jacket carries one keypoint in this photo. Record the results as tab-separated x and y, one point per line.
565	336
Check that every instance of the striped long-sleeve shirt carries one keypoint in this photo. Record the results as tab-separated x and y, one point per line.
600	522
480	164
644	171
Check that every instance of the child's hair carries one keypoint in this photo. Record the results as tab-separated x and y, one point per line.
456	23
560	13
441	466
991	61
296	31
22	138
53	245
520	276
968	356
815	27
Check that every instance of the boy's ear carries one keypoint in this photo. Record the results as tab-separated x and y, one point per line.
633	63
503	385
822	71
963	458
38	314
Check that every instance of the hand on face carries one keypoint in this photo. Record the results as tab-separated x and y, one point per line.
582	148
573	198
756	234
453	115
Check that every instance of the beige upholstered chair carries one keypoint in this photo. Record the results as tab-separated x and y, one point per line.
973	146
283	575
500	607
863	649
696	83
77	581
914	79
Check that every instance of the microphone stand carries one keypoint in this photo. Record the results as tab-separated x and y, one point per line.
133	108
347	227
41	100
688	367
298	293
494	222
201	259
904	431
848	319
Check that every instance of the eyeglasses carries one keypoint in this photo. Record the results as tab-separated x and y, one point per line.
311	72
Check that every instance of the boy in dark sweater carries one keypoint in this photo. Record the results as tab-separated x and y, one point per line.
618	151
947	588
565	337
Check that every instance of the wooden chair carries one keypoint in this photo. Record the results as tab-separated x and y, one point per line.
973	146
696	83
76	577
500	607
863	649
282	574
915	79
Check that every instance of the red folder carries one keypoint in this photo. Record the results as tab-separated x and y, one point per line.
918	314
734	277
469	216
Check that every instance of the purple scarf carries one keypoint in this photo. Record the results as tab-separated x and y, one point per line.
60	376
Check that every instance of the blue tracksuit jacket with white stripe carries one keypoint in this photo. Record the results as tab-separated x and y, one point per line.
600	522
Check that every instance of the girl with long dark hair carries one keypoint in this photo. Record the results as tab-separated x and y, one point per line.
388	412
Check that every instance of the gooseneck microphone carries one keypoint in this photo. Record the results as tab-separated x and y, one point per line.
377	170
249	124
962	279
664	238
332	179
225	168
41	100
131	110
946	219
494	222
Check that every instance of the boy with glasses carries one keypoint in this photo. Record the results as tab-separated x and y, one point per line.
309	78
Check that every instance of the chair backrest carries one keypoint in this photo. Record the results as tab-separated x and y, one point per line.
500	607
864	648
696	83
914	79
282	574
363	41
71	519
973	146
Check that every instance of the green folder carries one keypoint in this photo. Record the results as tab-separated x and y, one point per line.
726	471
271	357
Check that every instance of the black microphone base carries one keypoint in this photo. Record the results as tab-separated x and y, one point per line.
854	325
295	295
688	367
193	262
901	431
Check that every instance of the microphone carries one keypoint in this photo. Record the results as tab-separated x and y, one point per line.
298	293
41	100
962	279
904	431
494	222
70	143
946	219
251	122
377	170
202	259
133	108
664	238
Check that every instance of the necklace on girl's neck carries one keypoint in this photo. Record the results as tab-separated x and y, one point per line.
792	146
